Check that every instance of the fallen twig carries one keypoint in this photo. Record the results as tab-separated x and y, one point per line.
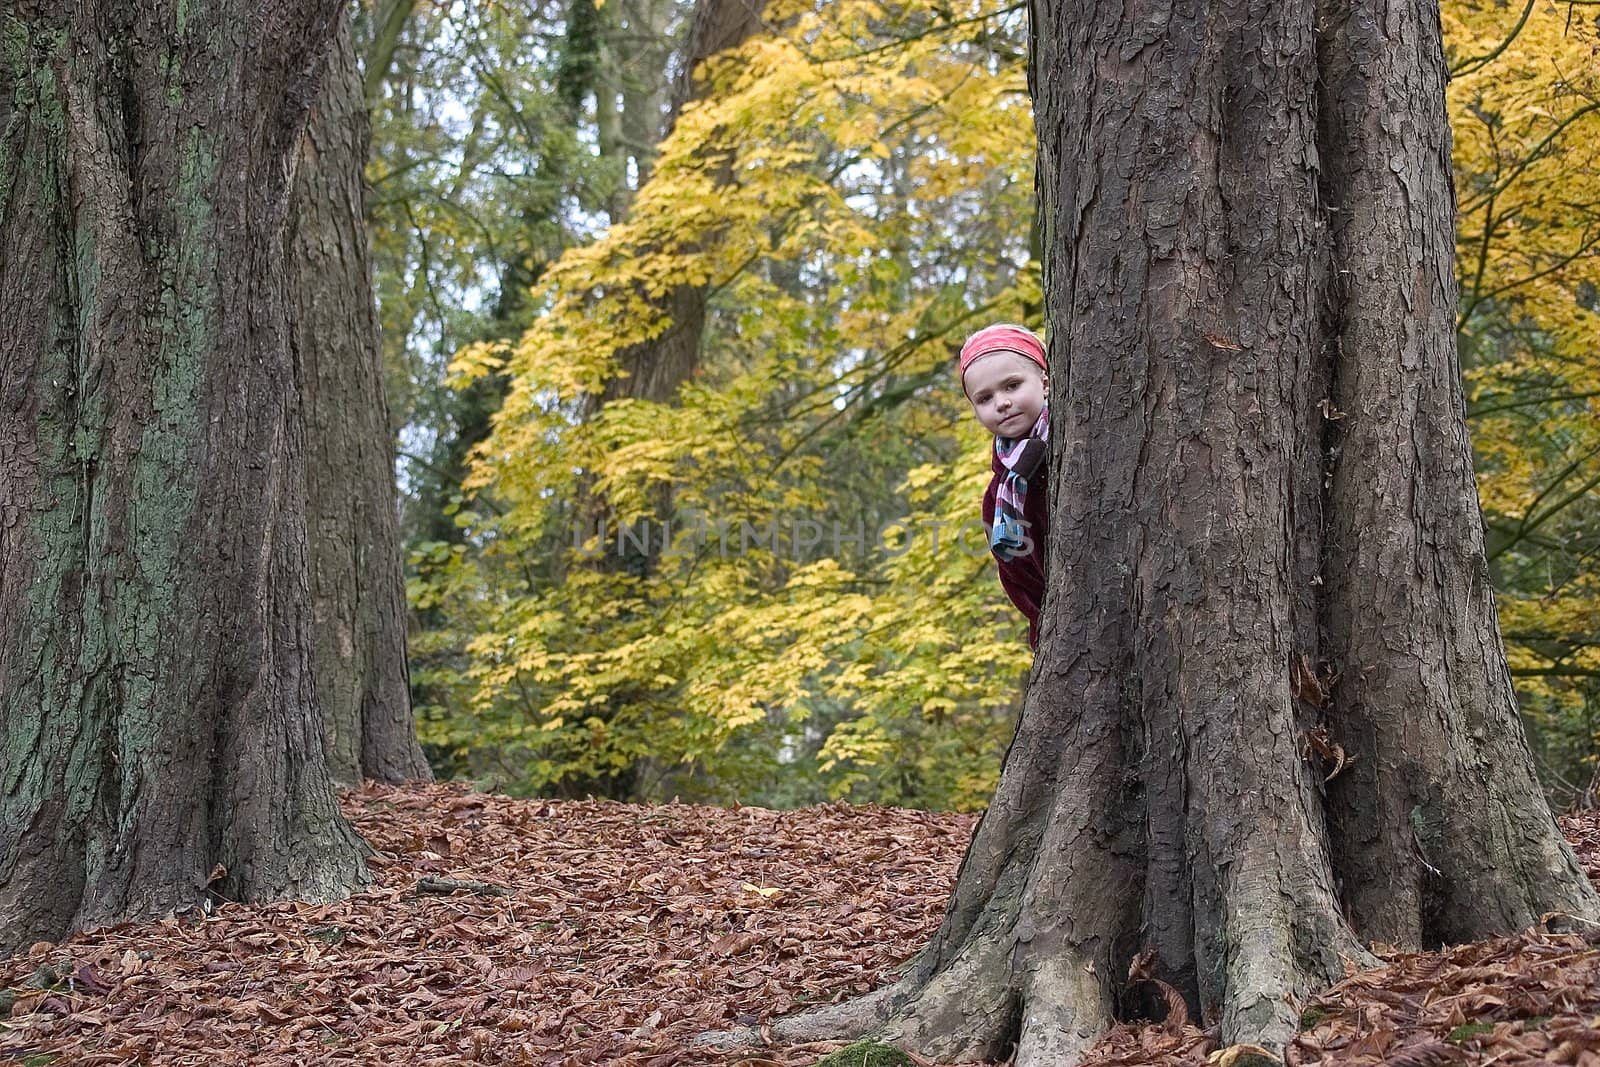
443	887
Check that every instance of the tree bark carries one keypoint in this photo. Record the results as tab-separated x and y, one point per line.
1441	833
1264	527
159	733
357	585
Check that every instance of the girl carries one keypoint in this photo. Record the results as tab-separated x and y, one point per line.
1004	375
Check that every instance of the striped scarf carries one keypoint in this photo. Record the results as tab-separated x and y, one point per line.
1021	457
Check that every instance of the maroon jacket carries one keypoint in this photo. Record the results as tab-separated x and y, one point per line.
1023	577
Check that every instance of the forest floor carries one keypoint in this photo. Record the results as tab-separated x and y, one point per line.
560	934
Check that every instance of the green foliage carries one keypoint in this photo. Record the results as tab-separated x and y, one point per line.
482	172
1468	1031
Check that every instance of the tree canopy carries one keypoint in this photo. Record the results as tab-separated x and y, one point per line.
868	160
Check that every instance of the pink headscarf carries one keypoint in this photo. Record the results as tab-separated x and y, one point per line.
1001	337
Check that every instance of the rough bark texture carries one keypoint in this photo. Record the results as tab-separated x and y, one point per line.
157	715
1441	832
1264	524
357	585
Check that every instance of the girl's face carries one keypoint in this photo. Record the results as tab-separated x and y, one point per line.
1007	392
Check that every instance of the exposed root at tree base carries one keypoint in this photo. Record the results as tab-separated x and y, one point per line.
977	1009
1001	999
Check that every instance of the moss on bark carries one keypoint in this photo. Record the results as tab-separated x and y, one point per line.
866	1054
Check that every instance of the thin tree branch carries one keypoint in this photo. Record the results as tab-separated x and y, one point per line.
380	60
1477	63
1533	155
1529	523
1512	405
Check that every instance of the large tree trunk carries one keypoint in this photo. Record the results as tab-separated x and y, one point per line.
159	734
1424	690
357	586
1264	525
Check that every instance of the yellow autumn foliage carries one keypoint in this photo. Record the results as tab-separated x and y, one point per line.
854	202
856	194
1525	111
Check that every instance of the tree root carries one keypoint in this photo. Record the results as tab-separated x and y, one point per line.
845	1021
965	1012
1064	1011
430	885
981	1007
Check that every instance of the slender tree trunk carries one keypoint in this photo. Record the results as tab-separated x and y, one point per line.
608	115
159	733
1265	543
655	369
648	49
357	586
388	26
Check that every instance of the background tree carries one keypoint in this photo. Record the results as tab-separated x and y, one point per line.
357	587
483	174
655	368
483	170
160	734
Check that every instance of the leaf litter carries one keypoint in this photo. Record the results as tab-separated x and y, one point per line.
570	933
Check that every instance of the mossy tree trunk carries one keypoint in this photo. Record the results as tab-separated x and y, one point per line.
1264	526
357	584
159	732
